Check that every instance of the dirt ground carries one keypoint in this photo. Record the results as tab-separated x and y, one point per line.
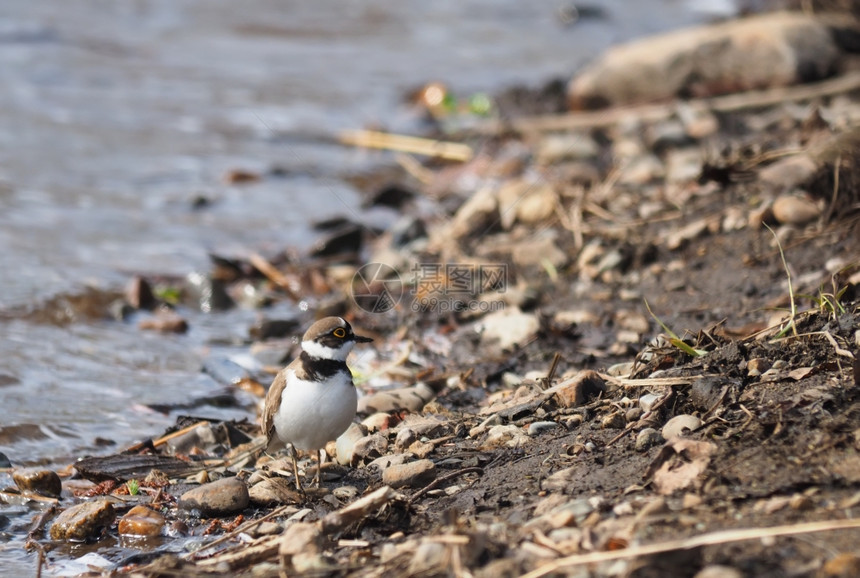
653	296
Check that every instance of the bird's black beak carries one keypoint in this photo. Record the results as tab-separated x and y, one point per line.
363	339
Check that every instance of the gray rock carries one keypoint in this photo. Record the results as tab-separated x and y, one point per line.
43	482
647	438
83	521
539	427
405	438
220	498
417	473
370	447
4	461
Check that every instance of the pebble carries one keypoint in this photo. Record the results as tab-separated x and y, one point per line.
633	414
83	521
225	496
793	210
4	461
376	422
385	462
678	426
43	482
369	447
345	492
494	419
525	202
647	438
274	491
417	473
141	521
718	571
504	435
842	566
405	438
580	389
614	420
539	427
345	444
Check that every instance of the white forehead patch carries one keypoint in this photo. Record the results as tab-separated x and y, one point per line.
319	351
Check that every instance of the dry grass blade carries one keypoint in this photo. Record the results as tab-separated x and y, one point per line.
711	539
409	144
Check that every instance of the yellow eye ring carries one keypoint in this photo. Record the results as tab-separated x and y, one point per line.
339	332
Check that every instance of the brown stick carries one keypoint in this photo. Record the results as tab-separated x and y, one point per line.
710	539
272	274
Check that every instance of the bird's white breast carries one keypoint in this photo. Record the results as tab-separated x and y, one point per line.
313	413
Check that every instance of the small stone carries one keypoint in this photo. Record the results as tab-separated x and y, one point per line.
633	414
580	389
376	422
793	210
417	473
680	425
405	438
345	492
538	427
4	461
274	491
842	566
83	521
647	438
345	444
504	436
43	482
267	529
614	420
718	571
757	366
385	462
691	501
165	323
220	498
525	202
141	521
421	449
369	447
801	503
475	215
494	419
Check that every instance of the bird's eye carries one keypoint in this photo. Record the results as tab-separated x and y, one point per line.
339	332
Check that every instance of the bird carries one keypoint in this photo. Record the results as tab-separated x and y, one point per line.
313	399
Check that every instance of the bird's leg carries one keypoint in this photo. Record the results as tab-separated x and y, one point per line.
295	467
319	466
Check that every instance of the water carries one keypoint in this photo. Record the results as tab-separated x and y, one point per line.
115	116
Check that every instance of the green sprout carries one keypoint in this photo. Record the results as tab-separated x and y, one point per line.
673	337
133	487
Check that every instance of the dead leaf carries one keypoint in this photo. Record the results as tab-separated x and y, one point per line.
680	465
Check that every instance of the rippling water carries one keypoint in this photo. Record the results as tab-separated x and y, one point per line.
115	116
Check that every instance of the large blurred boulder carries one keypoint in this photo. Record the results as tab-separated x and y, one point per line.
763	51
